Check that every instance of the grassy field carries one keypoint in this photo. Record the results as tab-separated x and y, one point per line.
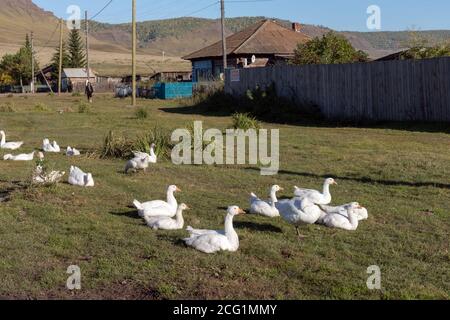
401	176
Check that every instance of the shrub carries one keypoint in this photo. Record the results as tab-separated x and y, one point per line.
245	121
41	107
7	107
141	113
84	107
76	94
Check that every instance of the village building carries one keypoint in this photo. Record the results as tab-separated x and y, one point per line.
263	44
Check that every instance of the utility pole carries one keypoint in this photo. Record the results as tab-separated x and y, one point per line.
60	55
88	70
133	94
32	63
224	39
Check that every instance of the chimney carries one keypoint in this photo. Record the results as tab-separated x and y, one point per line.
296	27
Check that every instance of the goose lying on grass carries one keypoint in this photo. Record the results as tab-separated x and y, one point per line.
347	222
78	178
166	223
316	196
159	207
211	241
299	212
264	208
9	145
361	213
40	177
20	157
72	152
50	147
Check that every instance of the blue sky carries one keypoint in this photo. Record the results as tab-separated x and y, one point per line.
336	14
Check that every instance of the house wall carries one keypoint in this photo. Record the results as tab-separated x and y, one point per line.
410	90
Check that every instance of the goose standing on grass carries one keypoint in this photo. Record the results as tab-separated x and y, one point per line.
78	178
72	152
50	147
347	222
166	223
159	207
300	212
264	208
151	158
211	241
315	196
361	213
9	145
20	157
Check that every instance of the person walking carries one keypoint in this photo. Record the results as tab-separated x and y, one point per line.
89	91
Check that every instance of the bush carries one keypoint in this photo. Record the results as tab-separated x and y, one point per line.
84	107
7	107
76	94
245	121
41	107
141	113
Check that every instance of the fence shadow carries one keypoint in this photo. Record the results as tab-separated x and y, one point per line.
362	179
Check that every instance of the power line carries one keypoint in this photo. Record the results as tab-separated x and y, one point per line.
101	10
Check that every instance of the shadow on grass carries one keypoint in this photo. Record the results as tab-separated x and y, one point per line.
260	227
5	194
363	179
411	126
132	214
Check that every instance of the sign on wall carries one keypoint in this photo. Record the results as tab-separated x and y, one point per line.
235	75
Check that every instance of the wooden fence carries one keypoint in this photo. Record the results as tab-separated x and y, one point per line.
409	90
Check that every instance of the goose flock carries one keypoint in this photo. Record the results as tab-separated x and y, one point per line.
307	206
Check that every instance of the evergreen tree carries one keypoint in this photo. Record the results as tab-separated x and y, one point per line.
55	61
77	58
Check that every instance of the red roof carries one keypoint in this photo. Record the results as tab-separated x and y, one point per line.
265	37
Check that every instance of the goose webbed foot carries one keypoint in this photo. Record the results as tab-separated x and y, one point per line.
300	236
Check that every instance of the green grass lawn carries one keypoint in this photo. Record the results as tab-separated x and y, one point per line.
401	176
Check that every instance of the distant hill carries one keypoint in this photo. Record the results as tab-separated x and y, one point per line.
176	37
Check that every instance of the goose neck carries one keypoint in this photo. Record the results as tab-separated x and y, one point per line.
171	199
273	197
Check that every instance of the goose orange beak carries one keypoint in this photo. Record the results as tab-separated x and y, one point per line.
178	189
240	211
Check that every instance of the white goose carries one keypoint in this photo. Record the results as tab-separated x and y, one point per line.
50	147
167	223
40	177
361	213
315	196
151	158
211	241
72	152
20	157
347	222
264	208
9	145
78	178
159	207
299	212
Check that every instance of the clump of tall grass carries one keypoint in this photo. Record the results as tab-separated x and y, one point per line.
161	137
7	107
141	113
116	146
76	94
84	107
245	121
42	107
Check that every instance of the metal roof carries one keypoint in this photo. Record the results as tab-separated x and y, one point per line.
265	37
78	72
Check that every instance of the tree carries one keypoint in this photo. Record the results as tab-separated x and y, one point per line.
55	60
330	49
77	58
